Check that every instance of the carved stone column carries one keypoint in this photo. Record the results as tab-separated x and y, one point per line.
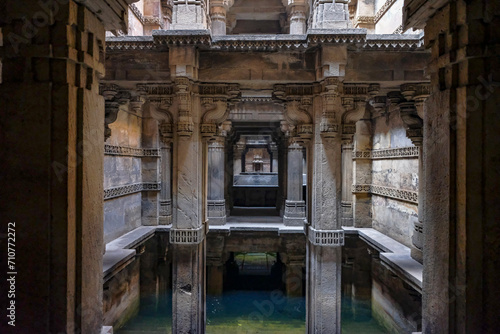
330	14
362	166
354	102
216	204
238	151
297	17
52	160
166	177
189	15
218	10
187	235
346	204
295	206
412	115
274	153
325	236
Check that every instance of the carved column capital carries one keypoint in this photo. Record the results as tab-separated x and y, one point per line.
114	97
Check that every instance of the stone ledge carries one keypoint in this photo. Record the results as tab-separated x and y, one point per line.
256	227
119	252
394	254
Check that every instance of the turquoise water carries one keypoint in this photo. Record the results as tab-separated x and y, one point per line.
254	312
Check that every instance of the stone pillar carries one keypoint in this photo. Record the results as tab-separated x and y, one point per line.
325	236
215	264
218	10
295	207
150	165
52	161
216	171
274	156
166	180
297	17
187	235
189	15
412	114
238	150
461	167
347	165
362	174
330	14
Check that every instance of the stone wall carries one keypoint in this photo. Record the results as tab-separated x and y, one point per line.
121	297
393	217
395	305
122	213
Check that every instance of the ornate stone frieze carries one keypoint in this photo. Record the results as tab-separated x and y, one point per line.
262	43
391	153
202	38
326	238
178	37
153	21
130	189
399	194
131	151
347	36
187	236
385	7
365	20
161	89
399	30
137	12
402	42
127	43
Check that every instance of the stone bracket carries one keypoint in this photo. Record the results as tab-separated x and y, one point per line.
326	238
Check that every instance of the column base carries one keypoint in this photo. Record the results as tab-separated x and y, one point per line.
165	220
295	213
216	212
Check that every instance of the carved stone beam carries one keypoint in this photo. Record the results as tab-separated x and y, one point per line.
412	121
356	109
417	93
297	114
379	104
216	112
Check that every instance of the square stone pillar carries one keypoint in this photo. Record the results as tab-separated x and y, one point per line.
295	207
460	166
189	15
347	165
189	227
362	175
325	236
166	180
52	161
330	14
216	203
